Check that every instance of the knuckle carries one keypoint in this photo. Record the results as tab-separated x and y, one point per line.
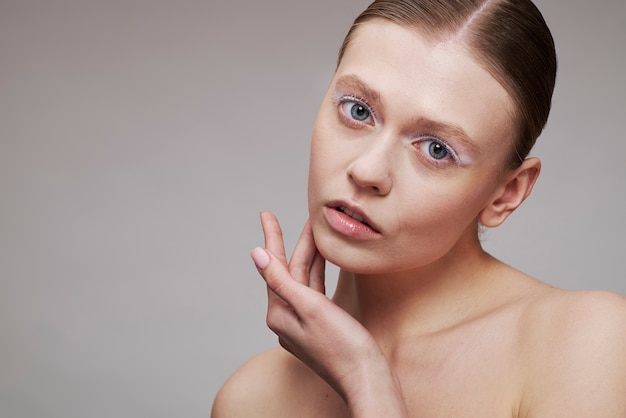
274	280
312	309
299	270
273	321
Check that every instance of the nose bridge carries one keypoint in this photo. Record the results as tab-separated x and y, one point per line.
371	167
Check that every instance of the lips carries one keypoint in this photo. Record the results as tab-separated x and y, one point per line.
350	221
352	214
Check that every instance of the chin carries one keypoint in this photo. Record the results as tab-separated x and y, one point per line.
355	259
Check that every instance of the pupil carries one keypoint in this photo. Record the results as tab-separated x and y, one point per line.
437	151
359	112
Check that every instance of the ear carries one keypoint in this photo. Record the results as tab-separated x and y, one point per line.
509	196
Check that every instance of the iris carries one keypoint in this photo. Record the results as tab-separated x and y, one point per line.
359	112
437	151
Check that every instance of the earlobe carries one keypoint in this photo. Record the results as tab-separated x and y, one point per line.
511	193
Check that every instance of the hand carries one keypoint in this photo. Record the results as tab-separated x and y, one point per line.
318	332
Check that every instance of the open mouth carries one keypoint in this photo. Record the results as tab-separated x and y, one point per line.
350	221
353	215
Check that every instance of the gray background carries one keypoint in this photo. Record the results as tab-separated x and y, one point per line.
138	142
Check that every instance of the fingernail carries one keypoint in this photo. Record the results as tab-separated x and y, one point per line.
260	258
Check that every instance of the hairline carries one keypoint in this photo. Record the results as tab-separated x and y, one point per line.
461	35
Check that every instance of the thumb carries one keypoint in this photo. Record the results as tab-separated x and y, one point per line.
276	274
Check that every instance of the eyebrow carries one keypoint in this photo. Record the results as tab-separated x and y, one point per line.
444	130
352	82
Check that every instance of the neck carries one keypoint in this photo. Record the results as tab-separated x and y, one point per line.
423	301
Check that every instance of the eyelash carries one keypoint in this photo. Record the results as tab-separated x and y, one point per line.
354	100
426	138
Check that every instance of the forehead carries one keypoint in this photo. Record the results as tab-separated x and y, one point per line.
435	78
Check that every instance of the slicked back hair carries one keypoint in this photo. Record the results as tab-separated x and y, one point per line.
508	38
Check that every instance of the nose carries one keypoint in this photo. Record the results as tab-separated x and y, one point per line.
370	169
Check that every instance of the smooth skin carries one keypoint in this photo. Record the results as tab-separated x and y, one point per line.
423	322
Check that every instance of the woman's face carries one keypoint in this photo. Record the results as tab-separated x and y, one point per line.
408	147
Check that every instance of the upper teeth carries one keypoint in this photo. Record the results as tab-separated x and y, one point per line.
352	214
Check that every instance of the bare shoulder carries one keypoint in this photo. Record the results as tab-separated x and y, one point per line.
275	384
574	345
577	316
248	392
572	310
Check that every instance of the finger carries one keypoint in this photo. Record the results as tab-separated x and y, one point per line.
278	278
261	259
318	273
281	318
282	292
273	235
303	255
274	243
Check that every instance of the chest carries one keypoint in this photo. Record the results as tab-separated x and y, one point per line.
462	382
469	373
473	372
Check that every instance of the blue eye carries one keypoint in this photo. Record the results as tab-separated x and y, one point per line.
355	111
437	150
359	112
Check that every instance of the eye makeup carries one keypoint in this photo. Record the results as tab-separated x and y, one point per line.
423	132
351	86
430	147
355	111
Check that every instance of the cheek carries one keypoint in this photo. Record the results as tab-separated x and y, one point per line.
316	166
320	164
325	159
439	212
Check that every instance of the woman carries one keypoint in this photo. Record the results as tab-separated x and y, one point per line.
422	137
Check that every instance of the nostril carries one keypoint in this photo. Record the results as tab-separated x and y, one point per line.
373	178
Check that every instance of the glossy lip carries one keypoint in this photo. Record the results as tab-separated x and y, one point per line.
346	224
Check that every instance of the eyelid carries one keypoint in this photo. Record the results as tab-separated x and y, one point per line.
351	98
434	138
